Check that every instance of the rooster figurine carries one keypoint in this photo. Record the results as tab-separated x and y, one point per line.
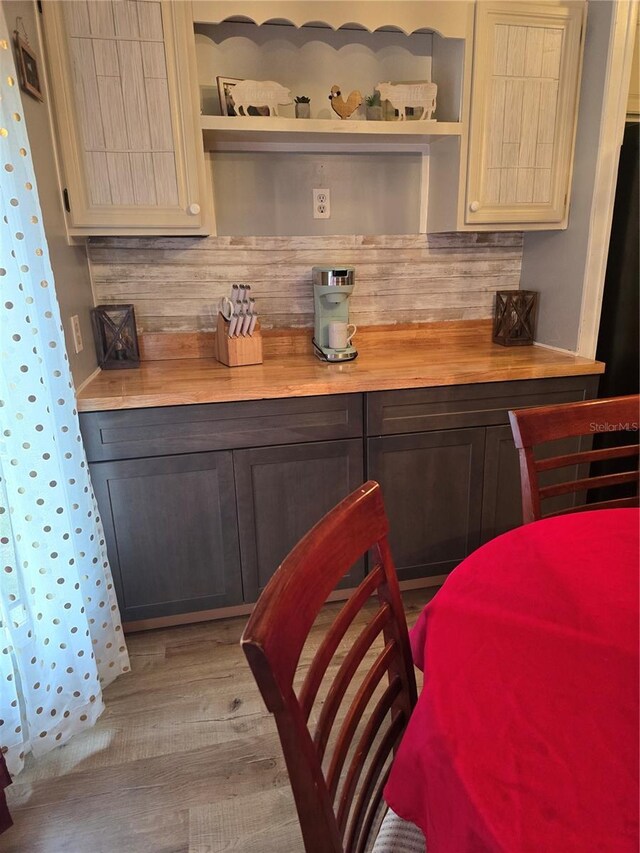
344	108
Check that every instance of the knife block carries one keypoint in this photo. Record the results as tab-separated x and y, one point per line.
235	352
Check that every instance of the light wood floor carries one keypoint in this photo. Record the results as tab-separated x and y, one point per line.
185	758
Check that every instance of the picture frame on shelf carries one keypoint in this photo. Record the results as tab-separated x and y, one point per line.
27	68
227	107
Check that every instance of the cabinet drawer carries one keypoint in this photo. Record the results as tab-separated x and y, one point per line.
459	406
138	433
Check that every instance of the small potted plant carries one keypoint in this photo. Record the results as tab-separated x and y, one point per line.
303	108
374	107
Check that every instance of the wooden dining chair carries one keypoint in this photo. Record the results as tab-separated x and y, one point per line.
533	427
338	791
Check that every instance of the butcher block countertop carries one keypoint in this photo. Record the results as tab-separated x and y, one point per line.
390	357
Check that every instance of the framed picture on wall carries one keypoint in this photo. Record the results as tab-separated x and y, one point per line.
225	93
27	67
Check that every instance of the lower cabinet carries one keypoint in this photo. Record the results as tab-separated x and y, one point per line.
171	532
215	497
448	466
432	487
176	526
282	492
448	492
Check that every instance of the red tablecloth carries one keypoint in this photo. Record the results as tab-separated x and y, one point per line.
525	736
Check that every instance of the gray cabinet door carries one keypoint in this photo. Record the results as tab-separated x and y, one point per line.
432	489
502	498
282	492
171	533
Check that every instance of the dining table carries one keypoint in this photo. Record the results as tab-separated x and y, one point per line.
525	734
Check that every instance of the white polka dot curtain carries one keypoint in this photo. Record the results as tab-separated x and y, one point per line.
60	633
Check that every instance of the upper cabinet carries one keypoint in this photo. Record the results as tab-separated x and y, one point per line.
147	143
524	103
126	112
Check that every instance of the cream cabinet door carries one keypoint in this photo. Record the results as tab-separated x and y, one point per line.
633	102
126	116
526	76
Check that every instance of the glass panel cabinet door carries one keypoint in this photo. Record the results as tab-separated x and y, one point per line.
126	119
526	76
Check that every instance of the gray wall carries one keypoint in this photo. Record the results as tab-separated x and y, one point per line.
272	194
553	262
70	267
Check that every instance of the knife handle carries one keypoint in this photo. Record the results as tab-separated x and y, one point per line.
246	323
233	323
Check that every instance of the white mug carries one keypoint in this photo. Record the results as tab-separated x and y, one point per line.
339	337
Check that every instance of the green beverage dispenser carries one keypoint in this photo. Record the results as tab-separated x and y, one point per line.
332	287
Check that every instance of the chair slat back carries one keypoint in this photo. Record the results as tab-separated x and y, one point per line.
333	638
335	808
533	427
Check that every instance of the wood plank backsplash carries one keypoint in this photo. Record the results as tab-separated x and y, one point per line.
175	283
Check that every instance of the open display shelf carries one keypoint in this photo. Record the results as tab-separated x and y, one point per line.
307	48
232	132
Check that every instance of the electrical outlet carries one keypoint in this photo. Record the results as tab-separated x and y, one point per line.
77	334
322	204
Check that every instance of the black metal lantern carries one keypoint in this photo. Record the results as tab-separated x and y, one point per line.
514	317
114	330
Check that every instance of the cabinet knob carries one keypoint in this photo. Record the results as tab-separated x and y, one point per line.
193	209
475	205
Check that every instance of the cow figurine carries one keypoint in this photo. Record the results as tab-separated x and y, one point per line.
403	95
257	93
